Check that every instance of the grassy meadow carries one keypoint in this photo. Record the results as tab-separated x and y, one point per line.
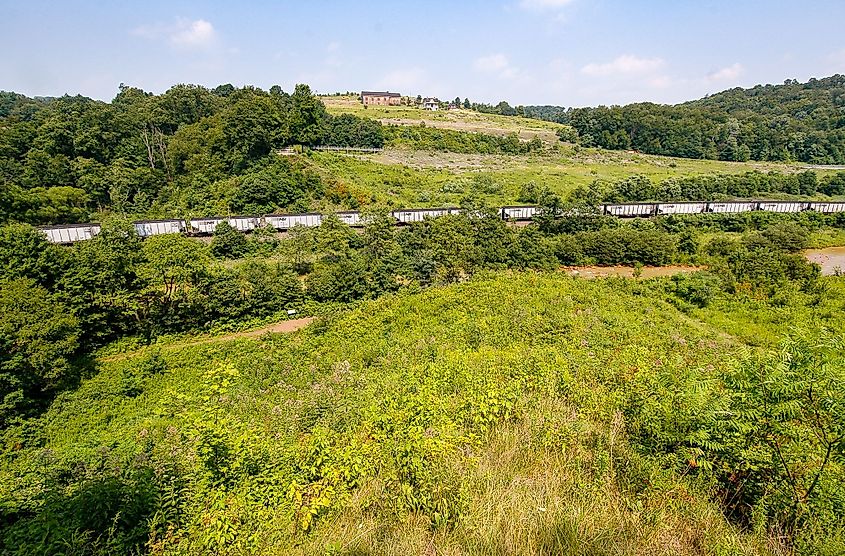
489	417
409	178
458	120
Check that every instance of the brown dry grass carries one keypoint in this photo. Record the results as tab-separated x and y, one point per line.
549	484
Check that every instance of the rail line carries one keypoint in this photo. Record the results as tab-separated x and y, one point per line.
71	233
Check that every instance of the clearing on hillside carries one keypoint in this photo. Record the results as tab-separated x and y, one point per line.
458	120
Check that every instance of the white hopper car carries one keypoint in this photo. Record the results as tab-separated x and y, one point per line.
70	233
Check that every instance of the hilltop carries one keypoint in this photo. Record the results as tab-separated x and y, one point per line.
457	120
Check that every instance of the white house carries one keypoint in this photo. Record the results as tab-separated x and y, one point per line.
431	104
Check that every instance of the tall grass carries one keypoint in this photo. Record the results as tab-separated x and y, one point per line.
483	418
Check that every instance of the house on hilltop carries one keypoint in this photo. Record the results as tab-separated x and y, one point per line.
431	104
380	98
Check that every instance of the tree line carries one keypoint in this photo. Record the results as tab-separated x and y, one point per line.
711	187
790	122
63	158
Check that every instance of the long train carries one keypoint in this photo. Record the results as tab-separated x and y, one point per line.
70	233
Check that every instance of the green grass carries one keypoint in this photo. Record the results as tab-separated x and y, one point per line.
763	323
417	178
481	418
459	120
829	237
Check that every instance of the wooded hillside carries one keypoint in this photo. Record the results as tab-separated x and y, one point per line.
790	122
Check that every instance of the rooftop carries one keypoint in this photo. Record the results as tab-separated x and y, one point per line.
379	94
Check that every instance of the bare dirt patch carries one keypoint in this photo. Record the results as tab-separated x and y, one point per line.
284	327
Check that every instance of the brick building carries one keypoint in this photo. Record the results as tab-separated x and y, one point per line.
380	98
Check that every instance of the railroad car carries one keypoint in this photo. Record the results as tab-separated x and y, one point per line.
630	209
731	206
351	218
681	208
70	233
781	206
519	212
147	228
406	216
827	208
288	221
204	226
244	223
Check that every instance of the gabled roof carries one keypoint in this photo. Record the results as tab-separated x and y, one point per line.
379	94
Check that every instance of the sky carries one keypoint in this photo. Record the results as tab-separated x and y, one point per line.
561	52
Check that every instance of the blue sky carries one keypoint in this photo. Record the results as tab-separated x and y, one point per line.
564	52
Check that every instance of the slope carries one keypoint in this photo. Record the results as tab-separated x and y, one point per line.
483	418
458	120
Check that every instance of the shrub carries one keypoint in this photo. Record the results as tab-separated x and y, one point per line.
228	243
38	341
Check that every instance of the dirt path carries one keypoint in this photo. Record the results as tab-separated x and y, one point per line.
284	327
831	259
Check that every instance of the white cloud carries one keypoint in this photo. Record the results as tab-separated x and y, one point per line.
199	33
184	33
625	64
541	5
494	62
497	64
660	82
727	73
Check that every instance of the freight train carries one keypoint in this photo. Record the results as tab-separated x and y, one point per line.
70	233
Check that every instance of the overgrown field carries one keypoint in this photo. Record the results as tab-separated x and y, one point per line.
406	178
516	413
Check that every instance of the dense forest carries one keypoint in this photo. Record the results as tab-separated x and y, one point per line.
790	122
62	158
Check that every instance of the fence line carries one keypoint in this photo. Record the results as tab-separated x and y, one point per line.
295	150
350	149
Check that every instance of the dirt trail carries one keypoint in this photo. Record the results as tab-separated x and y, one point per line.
284	327
831	259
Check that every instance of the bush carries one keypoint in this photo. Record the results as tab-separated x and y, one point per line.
698	288
787	236
628	246
342	280
38	341
228	243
